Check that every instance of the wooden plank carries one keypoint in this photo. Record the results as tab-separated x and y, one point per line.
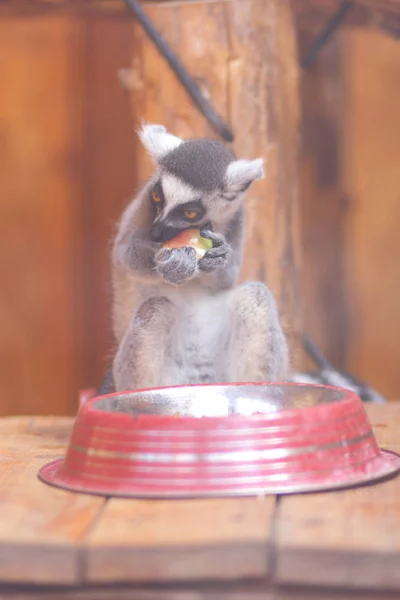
118	7
140	593
12	425
328	7
108	181
95	8
313	16
243	54
50	427
181	540
196	591
37	202
43	8
35	431
385	420
322	208
370	168
40	527
264	115
351	538
387	6
116	593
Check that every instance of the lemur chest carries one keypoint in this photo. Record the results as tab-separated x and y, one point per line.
201	316
201	324
196	344
199	338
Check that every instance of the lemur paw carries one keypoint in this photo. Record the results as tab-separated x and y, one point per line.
217	256
177	265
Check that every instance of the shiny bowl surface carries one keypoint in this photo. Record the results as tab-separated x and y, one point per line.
221	440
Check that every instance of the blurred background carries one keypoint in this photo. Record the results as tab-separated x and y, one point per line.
67	163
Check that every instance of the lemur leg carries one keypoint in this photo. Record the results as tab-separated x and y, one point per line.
258	346
145	350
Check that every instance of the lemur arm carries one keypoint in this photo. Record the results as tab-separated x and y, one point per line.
133	248
227	277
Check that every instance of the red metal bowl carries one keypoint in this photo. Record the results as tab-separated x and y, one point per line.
219	440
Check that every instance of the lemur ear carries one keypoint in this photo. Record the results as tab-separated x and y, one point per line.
157	141
240	174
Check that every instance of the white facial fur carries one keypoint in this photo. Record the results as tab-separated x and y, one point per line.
176	192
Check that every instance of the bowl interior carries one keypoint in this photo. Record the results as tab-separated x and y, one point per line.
219	400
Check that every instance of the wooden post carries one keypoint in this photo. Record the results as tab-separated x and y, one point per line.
243	55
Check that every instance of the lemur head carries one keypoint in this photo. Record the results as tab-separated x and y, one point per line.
197	182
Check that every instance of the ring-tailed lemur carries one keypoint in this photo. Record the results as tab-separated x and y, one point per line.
177	319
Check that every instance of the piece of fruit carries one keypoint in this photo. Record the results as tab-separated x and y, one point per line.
190	237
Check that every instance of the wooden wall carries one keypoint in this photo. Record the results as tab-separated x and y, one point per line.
351	202
370	162
66	157
66	162
322	204
39	201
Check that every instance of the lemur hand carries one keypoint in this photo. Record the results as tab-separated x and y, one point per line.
177	265
217	256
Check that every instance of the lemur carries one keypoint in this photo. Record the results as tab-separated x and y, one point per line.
176	319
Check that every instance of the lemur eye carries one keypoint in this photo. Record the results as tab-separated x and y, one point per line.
156	197
190	214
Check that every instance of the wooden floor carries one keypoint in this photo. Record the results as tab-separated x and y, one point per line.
77	546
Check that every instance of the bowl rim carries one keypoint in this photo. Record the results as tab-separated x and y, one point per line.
388	462
348	397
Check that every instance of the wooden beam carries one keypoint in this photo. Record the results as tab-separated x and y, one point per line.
384	6
40	8
40	115
107	182
323	210
312	15
370	157
118	7
326	7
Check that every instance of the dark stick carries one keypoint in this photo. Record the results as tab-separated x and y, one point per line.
334	22
216	122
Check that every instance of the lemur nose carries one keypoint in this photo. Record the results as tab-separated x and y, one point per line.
156	233
163	233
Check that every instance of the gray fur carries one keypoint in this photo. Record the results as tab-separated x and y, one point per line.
178	265
107	385
258	346
217	257
143	356
202	164
229	337
240	174
179	320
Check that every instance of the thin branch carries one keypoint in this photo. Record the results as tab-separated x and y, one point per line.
325	35
205	107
